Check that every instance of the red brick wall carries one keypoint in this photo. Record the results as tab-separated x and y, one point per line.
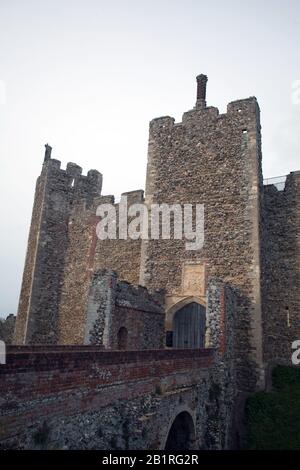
46	383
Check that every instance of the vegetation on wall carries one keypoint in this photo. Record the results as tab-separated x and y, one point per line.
273	418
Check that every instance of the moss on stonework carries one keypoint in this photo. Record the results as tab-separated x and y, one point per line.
273	419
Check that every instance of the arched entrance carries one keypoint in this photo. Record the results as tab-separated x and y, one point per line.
122	338
189	326
182	433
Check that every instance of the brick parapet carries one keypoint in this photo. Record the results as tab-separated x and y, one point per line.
60	396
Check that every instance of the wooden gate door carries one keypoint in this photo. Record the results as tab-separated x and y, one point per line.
189	327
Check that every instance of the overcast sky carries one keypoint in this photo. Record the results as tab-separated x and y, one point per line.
87	76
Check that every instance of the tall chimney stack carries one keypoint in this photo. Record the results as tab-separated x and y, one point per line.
201	91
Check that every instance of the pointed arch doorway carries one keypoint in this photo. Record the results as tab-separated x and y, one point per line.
181	435
189	326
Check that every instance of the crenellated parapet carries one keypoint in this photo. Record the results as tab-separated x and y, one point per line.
71	180
242	113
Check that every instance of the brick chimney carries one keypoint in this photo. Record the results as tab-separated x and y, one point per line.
201	91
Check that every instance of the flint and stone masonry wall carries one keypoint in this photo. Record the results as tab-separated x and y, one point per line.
281	266
214	160
221	319
56	191
86	254
114	305
7	327
63	252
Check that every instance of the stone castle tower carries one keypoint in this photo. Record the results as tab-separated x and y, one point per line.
56	192
251	237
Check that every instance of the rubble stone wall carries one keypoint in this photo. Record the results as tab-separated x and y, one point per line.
281	269
114	305
212	159
7	328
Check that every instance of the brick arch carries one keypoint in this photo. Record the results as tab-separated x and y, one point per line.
178	411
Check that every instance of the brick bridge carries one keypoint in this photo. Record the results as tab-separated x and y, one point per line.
79	397
87	397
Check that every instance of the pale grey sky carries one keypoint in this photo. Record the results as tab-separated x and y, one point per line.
87	76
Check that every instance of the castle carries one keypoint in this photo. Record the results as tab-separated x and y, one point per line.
229	310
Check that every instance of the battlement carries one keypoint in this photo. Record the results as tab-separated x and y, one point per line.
71	179
242	105
134	197
275	184
241	109
281	183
